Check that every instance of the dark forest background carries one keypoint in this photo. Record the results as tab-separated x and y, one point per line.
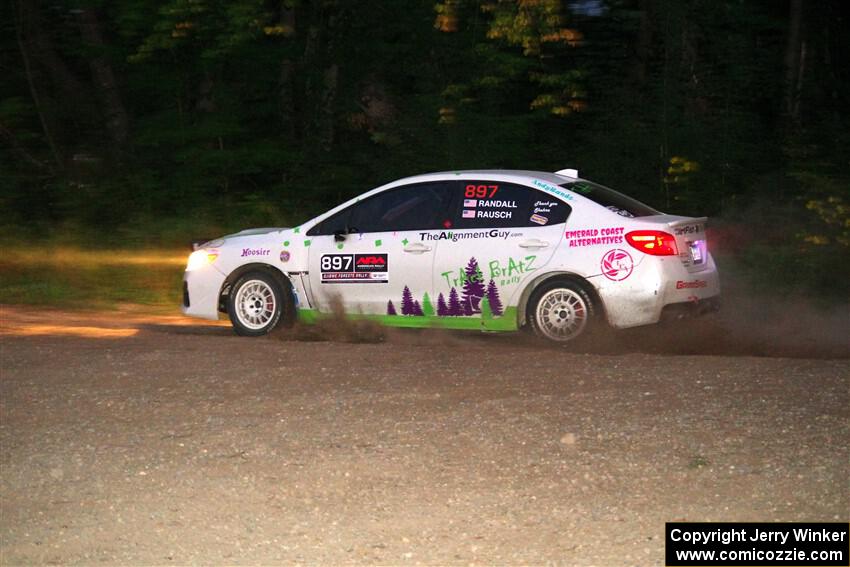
149	122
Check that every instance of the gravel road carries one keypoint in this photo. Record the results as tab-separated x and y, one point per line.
134	439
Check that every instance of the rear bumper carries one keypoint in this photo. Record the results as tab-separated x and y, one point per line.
656	286
690	309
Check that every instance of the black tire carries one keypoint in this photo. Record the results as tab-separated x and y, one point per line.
561	312
257	304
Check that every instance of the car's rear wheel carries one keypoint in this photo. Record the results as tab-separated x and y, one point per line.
561	311
256	304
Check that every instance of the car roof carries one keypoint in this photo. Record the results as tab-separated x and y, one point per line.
518	174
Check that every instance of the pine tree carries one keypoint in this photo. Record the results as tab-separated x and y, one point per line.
417	309
391	308
473	288
406	302
486	313
494	300
455	310
442	308
427	307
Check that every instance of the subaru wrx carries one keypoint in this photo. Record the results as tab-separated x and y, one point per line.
492	250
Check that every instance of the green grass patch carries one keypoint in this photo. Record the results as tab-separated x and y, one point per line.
101	279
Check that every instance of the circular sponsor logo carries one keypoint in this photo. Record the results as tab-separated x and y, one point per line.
617	265
284	256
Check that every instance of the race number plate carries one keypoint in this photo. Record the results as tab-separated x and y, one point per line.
354	268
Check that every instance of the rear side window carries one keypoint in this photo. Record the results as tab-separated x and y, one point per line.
493	204
611	200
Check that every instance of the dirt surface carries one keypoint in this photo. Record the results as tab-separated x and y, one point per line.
133	439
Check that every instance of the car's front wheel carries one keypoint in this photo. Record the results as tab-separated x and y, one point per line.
256	304
561	311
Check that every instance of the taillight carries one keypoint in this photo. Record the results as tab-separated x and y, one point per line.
654	242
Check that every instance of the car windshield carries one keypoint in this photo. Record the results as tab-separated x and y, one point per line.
610	199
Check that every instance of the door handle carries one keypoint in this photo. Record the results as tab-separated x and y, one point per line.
534	243
417	248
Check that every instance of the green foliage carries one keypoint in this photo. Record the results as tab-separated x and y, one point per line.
245	112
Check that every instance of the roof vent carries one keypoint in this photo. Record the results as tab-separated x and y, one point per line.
568	173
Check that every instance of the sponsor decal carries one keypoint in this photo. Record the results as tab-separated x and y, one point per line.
470	203
544	206
354	268
284	256
689	229
552	189
469	214
617	265
255	252
695	284
467	235
538	219
469	295
594	236
504	272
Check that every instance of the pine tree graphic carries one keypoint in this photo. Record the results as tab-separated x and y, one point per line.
473	288
406	302
486	313
427	307
455	310
494	300
391	308
442	308
417	309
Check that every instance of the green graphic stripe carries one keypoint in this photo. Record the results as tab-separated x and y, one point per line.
506	322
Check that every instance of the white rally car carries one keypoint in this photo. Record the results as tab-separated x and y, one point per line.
493	250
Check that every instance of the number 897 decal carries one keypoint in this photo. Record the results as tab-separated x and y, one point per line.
354	268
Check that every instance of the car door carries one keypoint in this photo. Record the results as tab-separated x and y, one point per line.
368	258
503	233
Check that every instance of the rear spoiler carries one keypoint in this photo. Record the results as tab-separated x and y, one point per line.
687	221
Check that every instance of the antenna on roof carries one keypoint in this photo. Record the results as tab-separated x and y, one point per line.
568	173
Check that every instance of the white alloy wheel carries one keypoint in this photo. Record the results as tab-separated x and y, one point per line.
256	304
561	312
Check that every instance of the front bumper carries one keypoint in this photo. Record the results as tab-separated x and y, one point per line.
201	289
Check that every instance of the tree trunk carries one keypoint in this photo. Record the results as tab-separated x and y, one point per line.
794	64
117	123
644	41
286	80
63	80
20	150
24	48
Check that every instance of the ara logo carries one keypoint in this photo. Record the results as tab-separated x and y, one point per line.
370	263
378	260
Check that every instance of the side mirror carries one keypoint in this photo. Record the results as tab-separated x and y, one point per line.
339	235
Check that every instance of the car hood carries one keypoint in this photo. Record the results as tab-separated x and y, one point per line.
248	235
253	231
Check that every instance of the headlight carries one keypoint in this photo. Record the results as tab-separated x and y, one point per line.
200	258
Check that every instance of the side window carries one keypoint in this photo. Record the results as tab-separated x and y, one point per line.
493	204
421	206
